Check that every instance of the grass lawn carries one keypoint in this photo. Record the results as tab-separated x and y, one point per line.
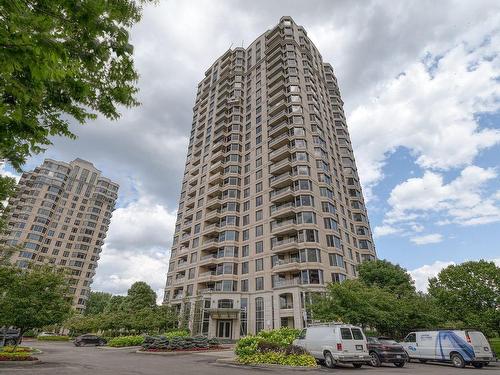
495	345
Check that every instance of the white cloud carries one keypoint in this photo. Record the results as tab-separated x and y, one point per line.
137	248
4	172
422	274
430	109
384	230
427	239
461	201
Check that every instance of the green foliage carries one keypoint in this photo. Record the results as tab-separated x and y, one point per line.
16	356
273	347
53	338
495	345
123	341
387	276
7	190
32	299
470	293
163	343
139	296
374	301
177	333
280	338
62	59
15	349
279	358
97	302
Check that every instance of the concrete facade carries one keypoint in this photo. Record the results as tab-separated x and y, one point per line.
60	215
271	208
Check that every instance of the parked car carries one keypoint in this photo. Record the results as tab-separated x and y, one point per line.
89	339
10	336
460	347
385	349
335	343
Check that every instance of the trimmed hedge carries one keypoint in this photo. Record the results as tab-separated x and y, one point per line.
273	347
279	358
179	333
164	343
52	338
122	341
21	353
495	345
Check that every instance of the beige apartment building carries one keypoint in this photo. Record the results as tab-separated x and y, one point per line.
60	216
271	208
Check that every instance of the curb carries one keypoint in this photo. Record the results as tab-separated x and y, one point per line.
19	363
182	352
231	361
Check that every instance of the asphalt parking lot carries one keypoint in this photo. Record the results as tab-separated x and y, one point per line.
66	359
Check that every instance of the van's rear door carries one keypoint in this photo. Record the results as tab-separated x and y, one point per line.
480	344
359	341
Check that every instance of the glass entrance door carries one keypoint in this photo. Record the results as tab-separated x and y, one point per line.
224	328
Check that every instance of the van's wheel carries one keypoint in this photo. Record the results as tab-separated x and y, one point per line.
477	364
357	365
10	342
457	360
399	364
329	361
374	359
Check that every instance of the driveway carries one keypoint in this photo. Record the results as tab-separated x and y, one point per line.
66	359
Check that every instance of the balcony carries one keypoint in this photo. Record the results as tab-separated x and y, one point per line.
214	214
285	244
280	167
211	229
280	153
213	203
279	210
281	105
283	227
277	118
279	195
281	180
214	189
279	129
287	283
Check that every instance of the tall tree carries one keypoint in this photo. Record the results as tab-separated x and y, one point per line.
62	59
33	299
139	296
7	189
387	276
470	293
97	302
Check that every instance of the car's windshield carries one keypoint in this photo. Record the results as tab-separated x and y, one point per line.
372	340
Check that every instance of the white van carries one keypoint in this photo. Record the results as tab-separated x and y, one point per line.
335	343
458	347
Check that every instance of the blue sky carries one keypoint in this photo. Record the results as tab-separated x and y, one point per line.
420	82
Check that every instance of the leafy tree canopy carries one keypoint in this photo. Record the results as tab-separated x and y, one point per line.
139	296
470	293
386	275
97	302
33	299
62	59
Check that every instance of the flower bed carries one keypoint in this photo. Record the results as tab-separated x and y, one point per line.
21	353
177	343
273	347
183	350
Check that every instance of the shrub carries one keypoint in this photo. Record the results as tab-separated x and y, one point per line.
495	345
266	346
282	337
122	341
297	360
14	349
53	338
178	343
247	346
179	333
294	349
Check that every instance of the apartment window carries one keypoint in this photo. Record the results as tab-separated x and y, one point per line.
336	260
246	235
259	264
258	215
338	277
258	201
245	251
332	241
244	267
259	247
258	187
191	273
244	285
259	283
259	230
246	220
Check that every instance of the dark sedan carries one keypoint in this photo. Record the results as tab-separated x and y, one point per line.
89	340
384	349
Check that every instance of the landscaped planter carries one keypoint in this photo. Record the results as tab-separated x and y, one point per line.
20	355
